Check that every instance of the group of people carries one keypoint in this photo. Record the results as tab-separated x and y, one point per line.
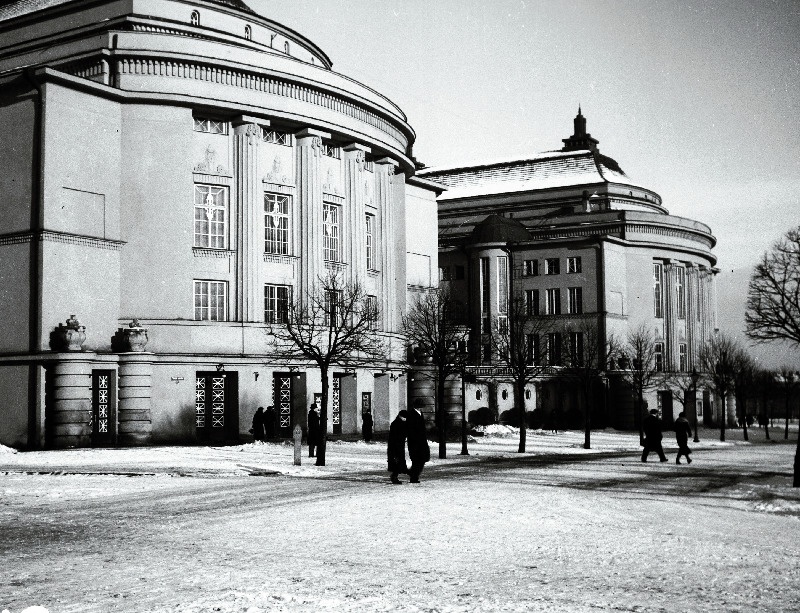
408	428
653	436
265	424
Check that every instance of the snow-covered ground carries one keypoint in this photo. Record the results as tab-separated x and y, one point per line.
559	528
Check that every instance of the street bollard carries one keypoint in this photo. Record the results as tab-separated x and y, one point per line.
298	447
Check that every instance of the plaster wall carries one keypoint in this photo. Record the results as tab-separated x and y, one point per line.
15	403
422	243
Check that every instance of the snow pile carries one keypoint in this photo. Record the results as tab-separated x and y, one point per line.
4	449
498	430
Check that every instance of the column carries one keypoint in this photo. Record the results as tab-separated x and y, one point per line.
250	221
355	248
388	250
670	315
72	401
309	207
691	313
135	423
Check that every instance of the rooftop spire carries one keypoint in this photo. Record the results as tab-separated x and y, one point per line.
580	139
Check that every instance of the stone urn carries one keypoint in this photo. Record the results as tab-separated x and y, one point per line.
135	336
71	336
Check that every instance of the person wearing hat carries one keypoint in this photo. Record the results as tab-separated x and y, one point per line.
313	429
418	449
258	425
396	449
652	436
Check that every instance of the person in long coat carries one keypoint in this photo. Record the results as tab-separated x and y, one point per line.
396	449
313	430
366	425
652	436
258	424
418	449
682	433
270	422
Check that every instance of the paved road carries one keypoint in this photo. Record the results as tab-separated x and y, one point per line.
472	536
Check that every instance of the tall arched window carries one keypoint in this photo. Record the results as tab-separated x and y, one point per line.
248	33
478	395
195	18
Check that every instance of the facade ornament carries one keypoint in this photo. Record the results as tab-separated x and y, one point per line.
329	186
210	166
253	132
70	337
277	175
316	145
135	336
360	160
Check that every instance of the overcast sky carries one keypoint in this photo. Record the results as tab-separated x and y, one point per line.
699	101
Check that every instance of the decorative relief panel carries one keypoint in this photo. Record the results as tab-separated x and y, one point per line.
209	164
280	171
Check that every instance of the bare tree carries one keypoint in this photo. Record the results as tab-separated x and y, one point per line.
773	302
637	360
335	323
720	360
744	381
519	340
679	385
773	298
585	359
433	326
788	380
765	382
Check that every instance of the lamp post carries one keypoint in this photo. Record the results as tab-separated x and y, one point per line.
695	378
465	378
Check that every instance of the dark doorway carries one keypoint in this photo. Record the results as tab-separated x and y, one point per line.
104	408
217	407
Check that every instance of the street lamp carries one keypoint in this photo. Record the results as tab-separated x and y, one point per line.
695	378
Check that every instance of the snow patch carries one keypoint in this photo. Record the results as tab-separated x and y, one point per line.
4	449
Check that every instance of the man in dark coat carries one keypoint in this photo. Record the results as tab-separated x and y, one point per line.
652	436
258	424
418	449
366	425
396	449
682	433
313	430
270	422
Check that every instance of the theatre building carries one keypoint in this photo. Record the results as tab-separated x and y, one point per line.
587	248
174	171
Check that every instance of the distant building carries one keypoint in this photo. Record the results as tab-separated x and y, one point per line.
176	172
585	246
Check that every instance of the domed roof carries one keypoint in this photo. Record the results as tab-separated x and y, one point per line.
236	4
499	229
15	8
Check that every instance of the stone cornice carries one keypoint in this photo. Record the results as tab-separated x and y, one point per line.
61	237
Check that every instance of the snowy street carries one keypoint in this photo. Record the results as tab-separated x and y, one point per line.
556	529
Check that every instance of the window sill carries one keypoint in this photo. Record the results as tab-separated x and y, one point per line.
206	252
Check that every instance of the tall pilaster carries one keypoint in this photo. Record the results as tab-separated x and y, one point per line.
692	321
309	206
354	193
388	249
670	314
250	221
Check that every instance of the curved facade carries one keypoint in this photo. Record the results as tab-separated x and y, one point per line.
601	252
188	164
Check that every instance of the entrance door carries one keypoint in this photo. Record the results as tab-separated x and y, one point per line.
283	404
336	404
104	408
217	406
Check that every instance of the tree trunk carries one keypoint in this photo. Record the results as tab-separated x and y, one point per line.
724	413
519	400
786	430
587	419
638	416
744	418
796	482
766	420
323	418
441	421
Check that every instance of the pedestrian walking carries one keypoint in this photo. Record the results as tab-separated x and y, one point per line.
417	440
258	425
652	436
682	433
396	449
313	430
366	425
270	421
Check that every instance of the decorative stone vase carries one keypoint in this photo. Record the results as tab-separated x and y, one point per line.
135	336
71	336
